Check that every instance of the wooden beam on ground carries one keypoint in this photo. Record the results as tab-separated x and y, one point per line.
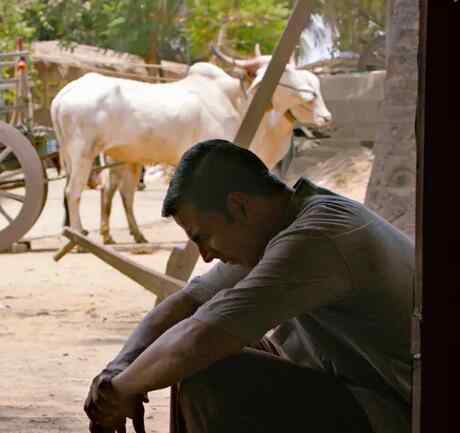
275	69
157	283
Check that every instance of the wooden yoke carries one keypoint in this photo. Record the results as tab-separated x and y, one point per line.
183	260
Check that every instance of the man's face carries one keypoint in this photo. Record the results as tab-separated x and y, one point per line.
236	241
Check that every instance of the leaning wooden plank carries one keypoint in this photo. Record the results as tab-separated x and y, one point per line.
280	57
157	283
182	261
264	93
261	101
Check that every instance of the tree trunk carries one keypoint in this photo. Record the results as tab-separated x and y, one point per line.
391	189
153	55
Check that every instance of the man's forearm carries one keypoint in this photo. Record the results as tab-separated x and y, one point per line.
186	348
172	310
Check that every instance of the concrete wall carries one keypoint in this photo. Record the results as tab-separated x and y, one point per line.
355	102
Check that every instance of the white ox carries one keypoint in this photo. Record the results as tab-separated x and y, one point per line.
141	124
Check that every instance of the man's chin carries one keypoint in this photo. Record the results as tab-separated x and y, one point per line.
233	262
248	263
251	263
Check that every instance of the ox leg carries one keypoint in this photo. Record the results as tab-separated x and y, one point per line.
66	206
79	175
127	189
110	183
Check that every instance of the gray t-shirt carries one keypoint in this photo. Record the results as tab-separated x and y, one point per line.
335	286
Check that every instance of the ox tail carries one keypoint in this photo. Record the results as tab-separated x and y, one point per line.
59	136
63	157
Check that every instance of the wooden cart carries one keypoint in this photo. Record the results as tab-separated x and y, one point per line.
26	150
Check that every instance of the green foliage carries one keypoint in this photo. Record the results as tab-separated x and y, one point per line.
12	25
358	21
135	26
241	24
156	29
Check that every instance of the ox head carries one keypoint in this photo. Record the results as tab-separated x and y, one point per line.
298	94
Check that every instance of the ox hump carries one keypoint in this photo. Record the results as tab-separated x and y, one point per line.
207	70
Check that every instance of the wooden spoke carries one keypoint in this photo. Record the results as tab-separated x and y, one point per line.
25	183
5	214
5	152
10	174
12	196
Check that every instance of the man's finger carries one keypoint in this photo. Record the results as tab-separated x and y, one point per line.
138	424
98	428
103	399
121	428
138	418
106	403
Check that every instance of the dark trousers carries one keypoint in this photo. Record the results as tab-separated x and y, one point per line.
260	392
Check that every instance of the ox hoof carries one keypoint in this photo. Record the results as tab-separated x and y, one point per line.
108	241
140	239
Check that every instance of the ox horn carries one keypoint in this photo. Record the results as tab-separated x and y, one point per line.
251	64
257	51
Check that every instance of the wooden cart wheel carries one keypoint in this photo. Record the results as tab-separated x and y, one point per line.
23	185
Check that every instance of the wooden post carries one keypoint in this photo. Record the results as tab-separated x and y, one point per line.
416	344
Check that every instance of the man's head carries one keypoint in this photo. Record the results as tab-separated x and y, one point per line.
226	199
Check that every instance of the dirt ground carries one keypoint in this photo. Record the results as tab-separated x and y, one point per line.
61	322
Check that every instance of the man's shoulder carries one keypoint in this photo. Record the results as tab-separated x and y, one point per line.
325	213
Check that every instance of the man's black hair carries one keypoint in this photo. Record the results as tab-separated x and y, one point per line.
210	170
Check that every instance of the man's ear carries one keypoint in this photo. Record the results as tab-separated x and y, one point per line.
237	205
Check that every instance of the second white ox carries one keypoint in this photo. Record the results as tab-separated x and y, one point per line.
140	123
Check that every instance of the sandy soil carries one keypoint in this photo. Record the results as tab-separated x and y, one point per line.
61	322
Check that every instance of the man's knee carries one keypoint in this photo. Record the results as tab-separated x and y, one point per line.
207	385
192	387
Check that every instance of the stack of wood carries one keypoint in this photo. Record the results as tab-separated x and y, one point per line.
57	65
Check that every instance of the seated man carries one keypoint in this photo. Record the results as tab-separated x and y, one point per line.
329	279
